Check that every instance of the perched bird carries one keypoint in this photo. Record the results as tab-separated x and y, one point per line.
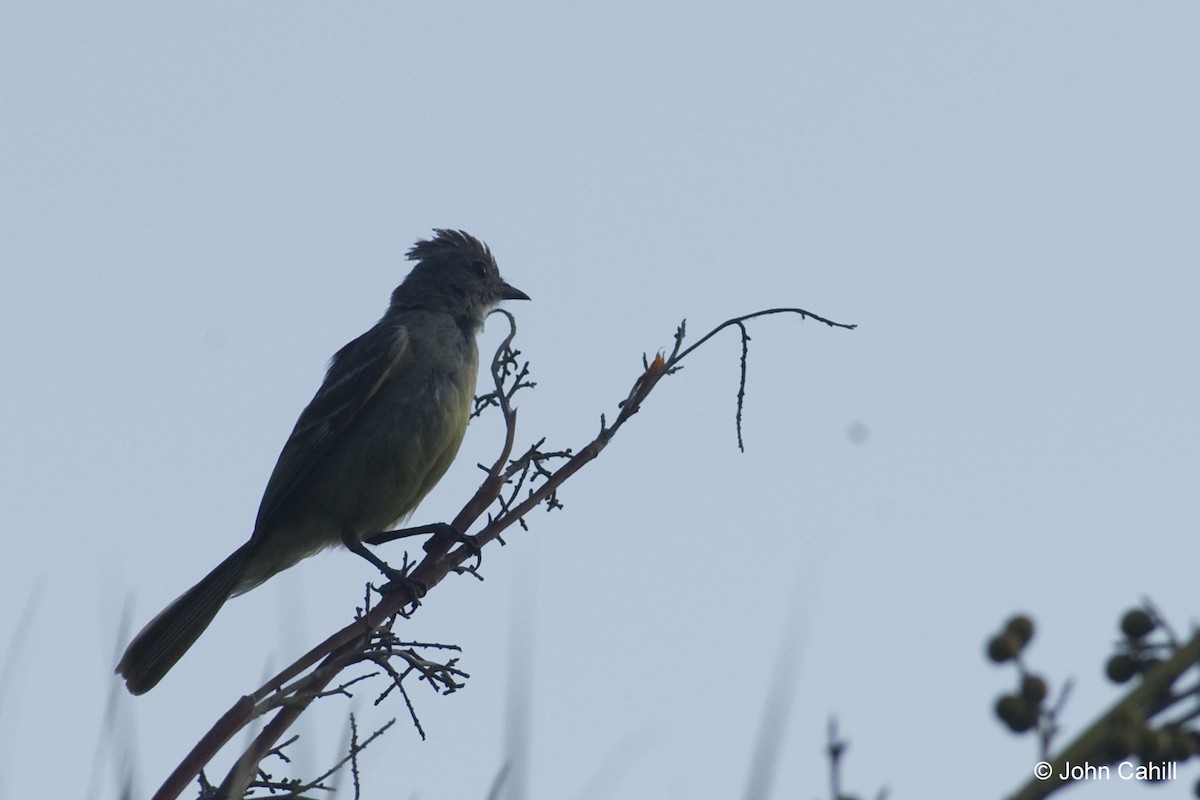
380	432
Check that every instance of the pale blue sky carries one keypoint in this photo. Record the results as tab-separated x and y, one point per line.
202	202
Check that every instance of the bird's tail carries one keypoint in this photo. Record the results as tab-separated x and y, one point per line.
168	636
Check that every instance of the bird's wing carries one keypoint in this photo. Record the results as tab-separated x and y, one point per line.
355	374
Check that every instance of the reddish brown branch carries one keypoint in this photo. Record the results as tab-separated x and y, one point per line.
441	558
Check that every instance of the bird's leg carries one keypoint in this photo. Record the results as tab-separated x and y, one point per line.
397	579
435	529
383	537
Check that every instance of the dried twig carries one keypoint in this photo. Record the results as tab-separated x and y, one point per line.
290	692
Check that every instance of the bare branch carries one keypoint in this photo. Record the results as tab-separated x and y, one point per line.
368	637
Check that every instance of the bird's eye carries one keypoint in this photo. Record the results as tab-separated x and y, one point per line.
480	268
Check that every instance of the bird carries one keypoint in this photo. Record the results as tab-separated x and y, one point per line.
381	431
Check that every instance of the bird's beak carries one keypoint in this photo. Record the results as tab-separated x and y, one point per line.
508	292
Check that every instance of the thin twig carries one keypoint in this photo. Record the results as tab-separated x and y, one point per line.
290	692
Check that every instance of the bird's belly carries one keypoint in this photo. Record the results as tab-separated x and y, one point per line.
406	445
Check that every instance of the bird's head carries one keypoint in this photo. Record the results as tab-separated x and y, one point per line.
455	273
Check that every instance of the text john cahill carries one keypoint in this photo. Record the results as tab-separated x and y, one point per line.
1126	771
